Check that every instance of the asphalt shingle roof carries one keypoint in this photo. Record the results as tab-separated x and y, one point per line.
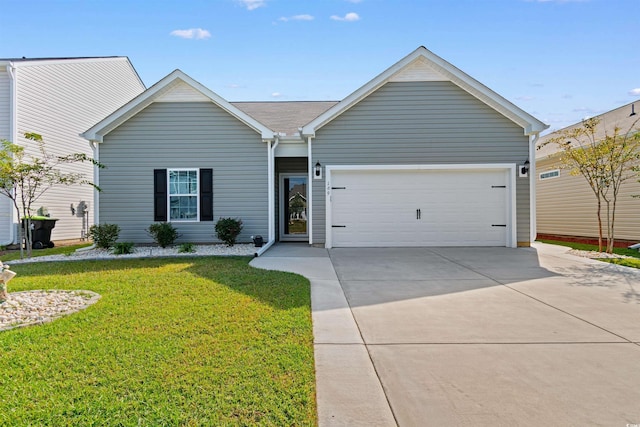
285	116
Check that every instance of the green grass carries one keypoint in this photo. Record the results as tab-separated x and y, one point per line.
14	254
172	342
628	262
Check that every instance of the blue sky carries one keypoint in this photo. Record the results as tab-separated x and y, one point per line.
560	60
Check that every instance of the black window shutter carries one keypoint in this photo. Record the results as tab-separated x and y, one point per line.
206	194
159	194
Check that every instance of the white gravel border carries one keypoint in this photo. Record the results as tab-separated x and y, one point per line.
243	249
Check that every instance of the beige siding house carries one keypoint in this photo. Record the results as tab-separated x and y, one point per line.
59	98
566	205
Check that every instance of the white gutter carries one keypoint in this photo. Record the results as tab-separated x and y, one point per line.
96	193
533	229
309	191
271	150
96	181
13	136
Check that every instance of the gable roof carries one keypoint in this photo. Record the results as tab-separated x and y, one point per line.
176	84
285	117
624	118
423	64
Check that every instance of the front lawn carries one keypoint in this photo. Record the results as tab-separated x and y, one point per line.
196	341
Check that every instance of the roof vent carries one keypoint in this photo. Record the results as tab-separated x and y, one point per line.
633	110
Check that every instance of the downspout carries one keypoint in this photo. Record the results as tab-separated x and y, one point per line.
96	193
532	189
271	150
309	191
13	137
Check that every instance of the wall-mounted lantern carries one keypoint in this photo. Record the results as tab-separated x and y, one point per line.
317	171
524	169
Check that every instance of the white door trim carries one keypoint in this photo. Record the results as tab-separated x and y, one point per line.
511	168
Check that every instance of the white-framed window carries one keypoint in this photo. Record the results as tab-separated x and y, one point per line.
183	197
549	174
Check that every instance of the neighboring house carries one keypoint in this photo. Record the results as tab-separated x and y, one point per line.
566	205
422	155
59	98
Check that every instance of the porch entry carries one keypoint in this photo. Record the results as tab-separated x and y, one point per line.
293	207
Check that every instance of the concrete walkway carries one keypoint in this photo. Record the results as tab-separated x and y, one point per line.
482	336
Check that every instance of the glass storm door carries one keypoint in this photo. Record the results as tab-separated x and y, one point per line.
293	207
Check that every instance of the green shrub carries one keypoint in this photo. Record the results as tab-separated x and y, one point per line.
187	248
163	233
228	229
123	248
104	235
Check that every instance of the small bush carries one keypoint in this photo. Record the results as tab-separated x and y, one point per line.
228	229
187	248
163	233
104	235
123	248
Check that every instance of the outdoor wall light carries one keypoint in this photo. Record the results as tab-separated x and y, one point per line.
317	171
524	169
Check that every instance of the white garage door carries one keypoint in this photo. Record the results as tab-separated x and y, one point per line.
433	207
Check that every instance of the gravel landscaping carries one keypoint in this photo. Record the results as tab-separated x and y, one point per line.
246	249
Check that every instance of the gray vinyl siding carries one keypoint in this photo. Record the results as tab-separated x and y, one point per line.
184	135
420	123
61	99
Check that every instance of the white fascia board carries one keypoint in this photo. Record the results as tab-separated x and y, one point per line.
121	115
530	124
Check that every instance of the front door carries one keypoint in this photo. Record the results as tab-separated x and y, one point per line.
293	207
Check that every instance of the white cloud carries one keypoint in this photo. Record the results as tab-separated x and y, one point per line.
303	17
192	33
635	92
276	95
252	4
350	17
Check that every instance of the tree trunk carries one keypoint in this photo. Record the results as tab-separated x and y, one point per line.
611	227
599	225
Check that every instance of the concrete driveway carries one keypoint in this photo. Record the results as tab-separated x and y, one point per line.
472	336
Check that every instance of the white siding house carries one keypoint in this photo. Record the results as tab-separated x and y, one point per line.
59	98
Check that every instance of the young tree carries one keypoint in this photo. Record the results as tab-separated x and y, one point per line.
606	162
24	179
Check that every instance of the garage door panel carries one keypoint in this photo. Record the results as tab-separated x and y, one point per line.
419	208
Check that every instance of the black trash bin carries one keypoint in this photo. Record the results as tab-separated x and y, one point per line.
40	231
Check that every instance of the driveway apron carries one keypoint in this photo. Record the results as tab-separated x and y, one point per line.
470	336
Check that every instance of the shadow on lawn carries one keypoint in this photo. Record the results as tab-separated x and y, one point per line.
278	289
